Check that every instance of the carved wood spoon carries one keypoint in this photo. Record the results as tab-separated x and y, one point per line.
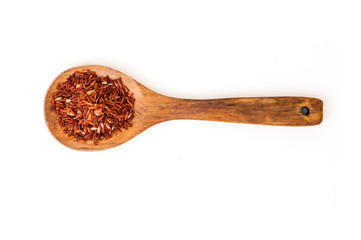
152	108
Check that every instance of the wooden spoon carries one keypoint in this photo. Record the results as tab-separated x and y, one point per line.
152	108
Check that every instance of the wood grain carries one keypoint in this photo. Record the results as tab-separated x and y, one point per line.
152	108
279	111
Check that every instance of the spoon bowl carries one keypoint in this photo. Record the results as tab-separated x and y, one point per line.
118	137
151	108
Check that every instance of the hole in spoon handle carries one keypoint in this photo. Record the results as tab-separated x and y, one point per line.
305	111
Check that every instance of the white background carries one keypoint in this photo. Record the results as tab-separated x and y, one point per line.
185	179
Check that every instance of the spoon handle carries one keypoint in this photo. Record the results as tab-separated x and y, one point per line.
281	111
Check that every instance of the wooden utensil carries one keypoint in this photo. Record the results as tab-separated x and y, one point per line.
152	108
